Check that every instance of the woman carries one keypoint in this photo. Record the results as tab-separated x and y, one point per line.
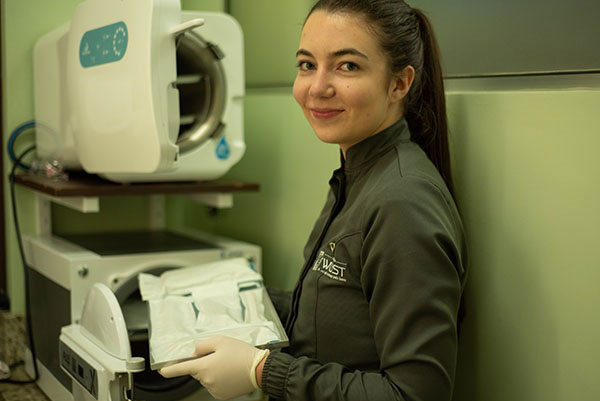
374	314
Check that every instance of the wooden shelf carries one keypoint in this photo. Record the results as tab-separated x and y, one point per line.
87	185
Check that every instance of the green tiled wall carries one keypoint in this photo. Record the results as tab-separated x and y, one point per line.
271	33
23	22
204	5
527	169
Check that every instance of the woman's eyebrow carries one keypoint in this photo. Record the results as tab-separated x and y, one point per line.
304	52
337	53
349	51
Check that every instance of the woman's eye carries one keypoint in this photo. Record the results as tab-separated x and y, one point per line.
305	66
349	66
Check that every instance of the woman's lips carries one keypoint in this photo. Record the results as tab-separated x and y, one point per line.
324	114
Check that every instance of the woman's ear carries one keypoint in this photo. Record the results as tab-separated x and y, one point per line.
401	83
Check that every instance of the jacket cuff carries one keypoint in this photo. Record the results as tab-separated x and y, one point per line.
275	374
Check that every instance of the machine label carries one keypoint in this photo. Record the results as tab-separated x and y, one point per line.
78	369
103	45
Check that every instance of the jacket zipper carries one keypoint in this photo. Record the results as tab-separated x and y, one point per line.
339	180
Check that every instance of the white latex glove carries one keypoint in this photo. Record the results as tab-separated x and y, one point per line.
226	367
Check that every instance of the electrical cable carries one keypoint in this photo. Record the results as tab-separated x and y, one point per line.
11	142
29	326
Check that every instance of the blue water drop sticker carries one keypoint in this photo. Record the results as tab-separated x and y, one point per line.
222	150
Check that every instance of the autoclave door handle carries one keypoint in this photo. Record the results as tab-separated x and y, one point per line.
186	26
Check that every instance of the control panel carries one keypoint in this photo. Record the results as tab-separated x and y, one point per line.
78	369
103	45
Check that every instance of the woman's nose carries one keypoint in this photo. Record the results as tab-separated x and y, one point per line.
321	86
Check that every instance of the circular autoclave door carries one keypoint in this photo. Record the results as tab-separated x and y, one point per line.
202	90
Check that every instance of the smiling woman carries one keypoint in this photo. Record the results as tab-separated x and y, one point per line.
374	314
344	85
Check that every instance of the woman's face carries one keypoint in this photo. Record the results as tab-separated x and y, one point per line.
343	84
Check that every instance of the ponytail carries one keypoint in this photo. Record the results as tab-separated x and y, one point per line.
426	108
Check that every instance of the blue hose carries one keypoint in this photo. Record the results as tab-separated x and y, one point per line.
11	142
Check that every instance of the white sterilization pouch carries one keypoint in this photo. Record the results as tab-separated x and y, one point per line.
225	298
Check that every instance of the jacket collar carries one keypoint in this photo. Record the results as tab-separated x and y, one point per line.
369	150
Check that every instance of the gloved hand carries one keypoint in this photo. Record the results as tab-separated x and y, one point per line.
225	367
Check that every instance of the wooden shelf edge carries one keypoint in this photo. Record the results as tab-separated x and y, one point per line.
91	185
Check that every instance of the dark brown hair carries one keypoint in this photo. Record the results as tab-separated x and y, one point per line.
407	37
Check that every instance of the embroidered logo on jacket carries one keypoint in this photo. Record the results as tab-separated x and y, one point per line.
330	267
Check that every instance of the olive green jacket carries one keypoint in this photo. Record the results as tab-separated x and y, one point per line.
374	313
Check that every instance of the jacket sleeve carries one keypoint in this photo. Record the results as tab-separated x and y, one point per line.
412	277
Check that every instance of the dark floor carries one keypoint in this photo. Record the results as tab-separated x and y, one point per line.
20	392
12	345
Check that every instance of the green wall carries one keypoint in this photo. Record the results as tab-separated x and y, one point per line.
271	32
23	22
527	168
204	5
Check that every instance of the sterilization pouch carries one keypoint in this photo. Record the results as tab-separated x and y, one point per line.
225	298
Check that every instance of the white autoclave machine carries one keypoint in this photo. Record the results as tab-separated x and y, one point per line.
137	90
62	270
134	91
